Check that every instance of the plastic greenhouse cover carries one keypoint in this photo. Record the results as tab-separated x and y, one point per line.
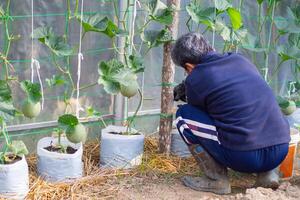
95	48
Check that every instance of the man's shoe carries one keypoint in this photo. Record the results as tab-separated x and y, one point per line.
268	179
206	184
215	179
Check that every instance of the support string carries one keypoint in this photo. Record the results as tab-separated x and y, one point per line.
34	62
80	58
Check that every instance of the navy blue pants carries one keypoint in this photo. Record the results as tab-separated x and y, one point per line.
200	129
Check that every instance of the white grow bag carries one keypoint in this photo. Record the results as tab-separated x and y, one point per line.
178	146
56	167
14	180
120	151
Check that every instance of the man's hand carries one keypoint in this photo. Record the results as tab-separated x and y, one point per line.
179	92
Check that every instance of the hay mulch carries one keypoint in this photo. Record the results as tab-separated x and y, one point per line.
101	184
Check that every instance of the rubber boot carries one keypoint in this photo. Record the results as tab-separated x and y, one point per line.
268	179
215	179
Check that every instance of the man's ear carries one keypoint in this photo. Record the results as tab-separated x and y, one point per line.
189	67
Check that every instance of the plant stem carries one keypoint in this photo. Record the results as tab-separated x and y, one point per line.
59	137
66	73
269	43
277	68
8	39
116	10
187	24
135	113
5	134
88	86
259	21
76	8
69	9
144	26
126	11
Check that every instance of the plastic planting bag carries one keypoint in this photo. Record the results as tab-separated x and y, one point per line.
56	167
178	146
294	118
120	151
14	180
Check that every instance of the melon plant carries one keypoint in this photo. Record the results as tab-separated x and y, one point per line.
288	107
31	106
290	102
74	130
11	148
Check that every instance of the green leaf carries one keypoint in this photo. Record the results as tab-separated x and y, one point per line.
96	23
155	6
110	68
235	18
67	120
2	12
18	148
33	90
90	111
288	53
107	70
289	24
125	76
42	33
160	12
58	46
222	5
56	80
113	74
136	63
55	43
7	110
5	92
283	102
296	11
154	38
164	17
260	1
238	35
251	43
294	39
223	30
198	15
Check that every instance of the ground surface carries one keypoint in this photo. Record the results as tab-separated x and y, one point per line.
176	191
157	178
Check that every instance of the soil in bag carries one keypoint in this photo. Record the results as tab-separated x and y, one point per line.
69	150
12	159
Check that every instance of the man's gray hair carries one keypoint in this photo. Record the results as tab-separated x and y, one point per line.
189	48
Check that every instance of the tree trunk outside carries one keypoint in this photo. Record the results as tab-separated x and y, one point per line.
168	72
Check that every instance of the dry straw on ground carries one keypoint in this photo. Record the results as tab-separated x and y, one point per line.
100	184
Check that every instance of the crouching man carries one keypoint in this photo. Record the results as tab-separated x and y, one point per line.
231	119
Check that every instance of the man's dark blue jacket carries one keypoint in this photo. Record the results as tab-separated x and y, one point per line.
245	111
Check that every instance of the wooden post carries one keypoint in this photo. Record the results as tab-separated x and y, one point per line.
168	71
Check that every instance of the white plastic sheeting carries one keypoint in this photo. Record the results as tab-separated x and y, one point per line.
56	167
14	180
120	151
